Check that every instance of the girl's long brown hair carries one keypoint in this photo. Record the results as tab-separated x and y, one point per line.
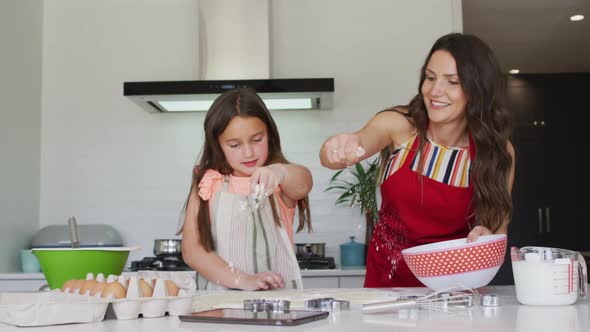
488	122
242	102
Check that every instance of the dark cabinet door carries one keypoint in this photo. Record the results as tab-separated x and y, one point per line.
525	228
528	196
549	195
525	101
566	127
550	138
529	189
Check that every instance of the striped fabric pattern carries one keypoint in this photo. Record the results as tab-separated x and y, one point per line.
249	240
443	164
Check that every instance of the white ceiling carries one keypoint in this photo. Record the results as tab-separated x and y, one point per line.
535	36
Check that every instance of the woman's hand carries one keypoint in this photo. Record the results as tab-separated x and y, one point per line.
344	149
262	280
268	178
476	232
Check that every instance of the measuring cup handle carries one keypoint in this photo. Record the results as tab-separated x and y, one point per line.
582	277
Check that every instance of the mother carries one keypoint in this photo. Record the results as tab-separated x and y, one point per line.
447	164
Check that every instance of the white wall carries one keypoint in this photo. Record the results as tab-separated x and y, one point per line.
20	127
105	160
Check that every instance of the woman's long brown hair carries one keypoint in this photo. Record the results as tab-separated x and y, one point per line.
488	122
242	102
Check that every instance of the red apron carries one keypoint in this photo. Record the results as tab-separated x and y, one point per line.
414	213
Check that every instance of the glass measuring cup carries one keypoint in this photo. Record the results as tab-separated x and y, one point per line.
548	276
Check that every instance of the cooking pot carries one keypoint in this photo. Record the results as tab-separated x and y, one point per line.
310	249
168	247
352	253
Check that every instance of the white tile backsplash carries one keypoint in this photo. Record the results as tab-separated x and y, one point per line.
105	160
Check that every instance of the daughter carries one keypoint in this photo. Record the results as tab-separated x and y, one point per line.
238	225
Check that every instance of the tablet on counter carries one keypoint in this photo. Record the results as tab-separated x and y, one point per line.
241	316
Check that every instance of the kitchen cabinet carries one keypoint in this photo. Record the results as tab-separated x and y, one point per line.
334	278
337	278
330	278
21	282
351	282
549	193
320	282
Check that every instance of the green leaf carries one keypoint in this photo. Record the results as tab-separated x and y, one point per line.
361	190
337	174
359	169
341	187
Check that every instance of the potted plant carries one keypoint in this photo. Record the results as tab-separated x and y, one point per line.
358	185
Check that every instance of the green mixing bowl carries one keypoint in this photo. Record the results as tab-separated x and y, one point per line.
62	264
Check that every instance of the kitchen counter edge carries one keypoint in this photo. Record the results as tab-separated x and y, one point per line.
305	273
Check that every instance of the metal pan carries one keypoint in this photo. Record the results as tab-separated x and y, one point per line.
168	247
310	249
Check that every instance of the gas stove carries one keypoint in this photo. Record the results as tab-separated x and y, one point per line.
160	263
315	262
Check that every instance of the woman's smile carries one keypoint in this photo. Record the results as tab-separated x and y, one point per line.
437	105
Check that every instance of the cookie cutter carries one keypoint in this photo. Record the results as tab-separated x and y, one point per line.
260	305
327	304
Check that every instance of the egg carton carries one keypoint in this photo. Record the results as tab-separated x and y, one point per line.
50	308
148	295
151	307
59	307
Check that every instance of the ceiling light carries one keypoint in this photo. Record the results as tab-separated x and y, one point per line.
514	71
576	18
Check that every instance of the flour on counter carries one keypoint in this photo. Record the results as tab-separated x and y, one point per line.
356	296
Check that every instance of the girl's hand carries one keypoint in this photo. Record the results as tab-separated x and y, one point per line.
476	232
262	280
268	177
344	148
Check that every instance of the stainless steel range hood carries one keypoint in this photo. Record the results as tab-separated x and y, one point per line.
233	52
192	96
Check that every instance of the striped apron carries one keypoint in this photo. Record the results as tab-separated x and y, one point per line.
248	239
414	212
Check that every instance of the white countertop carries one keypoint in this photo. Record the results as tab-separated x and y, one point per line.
509	316
305	273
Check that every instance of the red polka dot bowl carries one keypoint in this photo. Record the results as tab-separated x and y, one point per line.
456	264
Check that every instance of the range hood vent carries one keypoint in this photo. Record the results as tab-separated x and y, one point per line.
192	96
233	53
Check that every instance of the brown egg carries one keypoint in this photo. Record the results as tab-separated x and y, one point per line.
146	289
88	285
68	284
115	289
172	288
98	288
76	285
